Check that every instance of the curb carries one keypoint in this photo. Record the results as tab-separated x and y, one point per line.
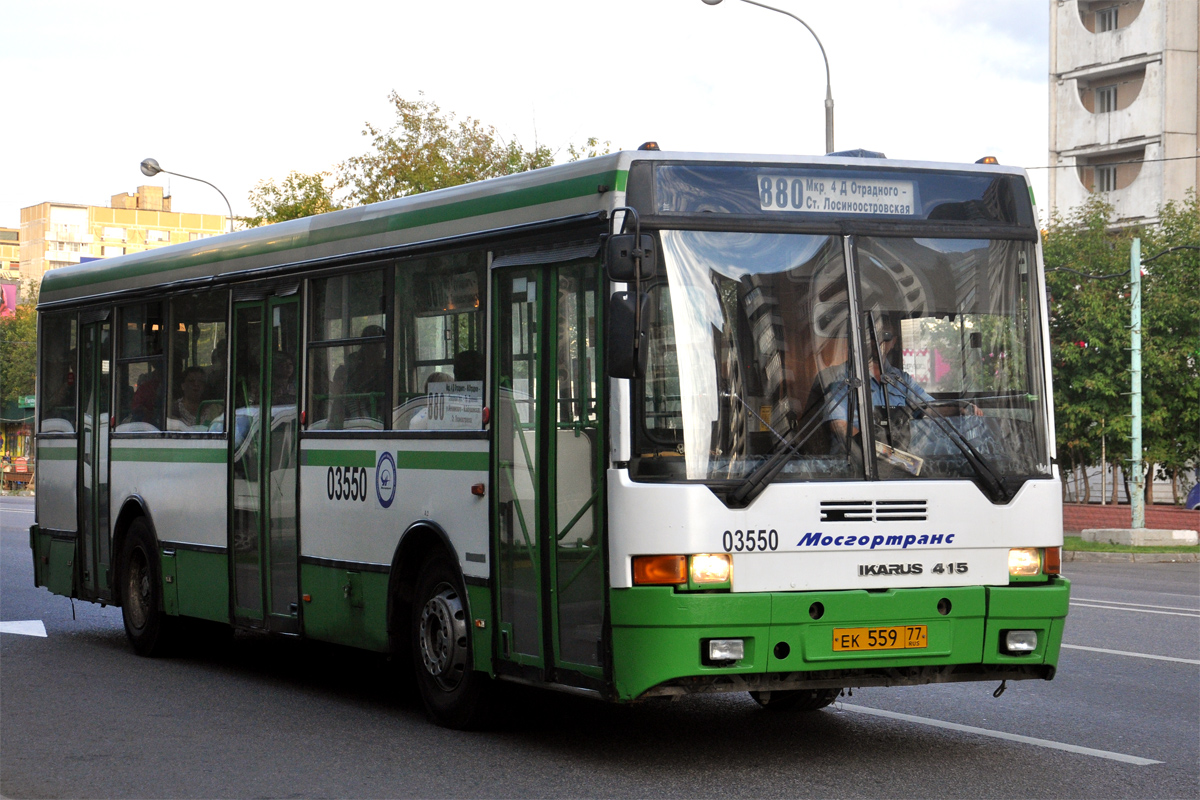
1126	558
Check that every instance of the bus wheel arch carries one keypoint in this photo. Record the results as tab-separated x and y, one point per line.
133	507
139	587
416	543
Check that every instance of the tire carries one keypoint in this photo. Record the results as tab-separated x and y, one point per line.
796	699
147	626
454	694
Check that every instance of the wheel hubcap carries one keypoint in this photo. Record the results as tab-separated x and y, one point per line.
137	598
442	636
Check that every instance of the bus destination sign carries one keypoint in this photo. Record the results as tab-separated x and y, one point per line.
828	194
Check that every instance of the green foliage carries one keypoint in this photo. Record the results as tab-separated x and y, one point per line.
1171	339
1089	333
427	149
423	149
298	195
18	350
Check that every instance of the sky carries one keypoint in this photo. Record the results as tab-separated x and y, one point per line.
241	92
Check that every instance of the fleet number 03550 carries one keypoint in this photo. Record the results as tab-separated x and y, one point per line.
750	541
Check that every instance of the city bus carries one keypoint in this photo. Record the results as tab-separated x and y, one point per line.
599	428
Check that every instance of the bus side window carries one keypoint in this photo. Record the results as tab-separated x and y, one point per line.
347	352
56	407
141	378
196	390
440	366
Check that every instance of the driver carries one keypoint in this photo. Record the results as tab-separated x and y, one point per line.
893	401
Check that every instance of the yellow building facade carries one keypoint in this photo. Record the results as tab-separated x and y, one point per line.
10	253
55	235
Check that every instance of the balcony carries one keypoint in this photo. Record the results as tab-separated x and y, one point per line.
1077	127
1139	201
1079	48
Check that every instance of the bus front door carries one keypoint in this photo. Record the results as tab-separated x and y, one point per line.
263	485
549	565
95	392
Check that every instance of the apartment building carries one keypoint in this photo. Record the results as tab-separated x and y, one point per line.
10	252
57	234
1123	103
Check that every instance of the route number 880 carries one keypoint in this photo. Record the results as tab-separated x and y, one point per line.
749	541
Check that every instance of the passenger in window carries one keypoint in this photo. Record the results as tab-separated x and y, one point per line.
468	366
283	379
357	387
190	409
214	379
146	405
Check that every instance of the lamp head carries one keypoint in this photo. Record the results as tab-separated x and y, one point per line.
711	2
150	167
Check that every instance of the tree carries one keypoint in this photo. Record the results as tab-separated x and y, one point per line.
426	148
18	350
1171	344
298	195
1089	333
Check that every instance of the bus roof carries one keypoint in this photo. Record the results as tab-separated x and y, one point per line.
565	190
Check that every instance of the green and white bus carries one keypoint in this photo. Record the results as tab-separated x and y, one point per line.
594	428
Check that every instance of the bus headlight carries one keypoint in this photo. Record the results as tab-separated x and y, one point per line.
711	568
1019	642
1024	561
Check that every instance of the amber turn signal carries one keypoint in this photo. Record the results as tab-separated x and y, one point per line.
659	570
1053	562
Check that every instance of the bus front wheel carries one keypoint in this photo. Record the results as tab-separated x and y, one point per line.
454	694
796	699
146	625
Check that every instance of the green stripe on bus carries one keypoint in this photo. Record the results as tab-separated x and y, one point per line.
424	459
337	458
56	453
58	281
171	455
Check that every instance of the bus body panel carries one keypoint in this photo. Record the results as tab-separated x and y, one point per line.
566	190
960	526
183	483
431	479
56	465
658	633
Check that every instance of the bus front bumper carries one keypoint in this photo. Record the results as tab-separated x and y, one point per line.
660	637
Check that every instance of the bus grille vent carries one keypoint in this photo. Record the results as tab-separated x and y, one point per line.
873	511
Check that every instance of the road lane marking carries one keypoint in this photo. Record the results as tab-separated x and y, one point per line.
1138	610
1127	653
1012	737
1140	605
27	627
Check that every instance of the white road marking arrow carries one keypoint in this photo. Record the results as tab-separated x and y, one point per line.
26	627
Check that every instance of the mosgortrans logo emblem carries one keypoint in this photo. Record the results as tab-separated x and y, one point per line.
385	479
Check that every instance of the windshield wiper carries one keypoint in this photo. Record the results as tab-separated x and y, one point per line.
762	475
993	484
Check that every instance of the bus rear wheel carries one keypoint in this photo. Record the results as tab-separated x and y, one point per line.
796	699
146	625
454	694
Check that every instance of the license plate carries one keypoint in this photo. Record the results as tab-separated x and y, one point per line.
897	637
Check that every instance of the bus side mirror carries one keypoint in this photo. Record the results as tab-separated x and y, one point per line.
624	341
623	253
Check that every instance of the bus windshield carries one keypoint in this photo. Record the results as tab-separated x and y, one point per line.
753	359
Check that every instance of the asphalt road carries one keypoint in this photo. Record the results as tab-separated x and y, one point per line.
82	716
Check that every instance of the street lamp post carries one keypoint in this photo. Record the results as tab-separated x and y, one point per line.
150	168
828	89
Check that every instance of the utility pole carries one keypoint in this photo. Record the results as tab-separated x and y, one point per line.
1138	500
